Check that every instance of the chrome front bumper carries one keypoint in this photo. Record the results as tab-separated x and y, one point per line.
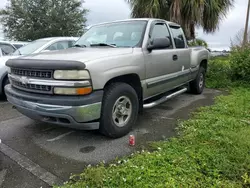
81	117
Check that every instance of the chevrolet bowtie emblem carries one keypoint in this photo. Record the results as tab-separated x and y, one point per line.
24	80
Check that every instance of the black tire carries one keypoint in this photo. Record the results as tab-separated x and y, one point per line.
195	86
112	93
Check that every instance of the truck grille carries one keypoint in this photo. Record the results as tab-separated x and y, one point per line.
32	73
35	74
32	87
40	81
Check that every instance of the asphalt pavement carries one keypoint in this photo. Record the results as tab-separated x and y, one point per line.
34	154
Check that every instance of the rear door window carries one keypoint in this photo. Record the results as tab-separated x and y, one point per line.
179	38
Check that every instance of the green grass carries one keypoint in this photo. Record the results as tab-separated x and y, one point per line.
223	58
211	150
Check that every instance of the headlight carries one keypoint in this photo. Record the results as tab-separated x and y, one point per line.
72	91
71	74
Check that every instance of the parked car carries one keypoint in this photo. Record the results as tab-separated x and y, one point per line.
18	44
115	70
8	47
37	46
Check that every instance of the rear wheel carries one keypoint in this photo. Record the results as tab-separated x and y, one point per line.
197	86
119	110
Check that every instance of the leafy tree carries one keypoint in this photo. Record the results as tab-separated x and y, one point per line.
198	42
188	13
33	19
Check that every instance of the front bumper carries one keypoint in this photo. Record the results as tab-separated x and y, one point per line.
75	112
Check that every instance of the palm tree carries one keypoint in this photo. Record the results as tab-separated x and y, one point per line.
245	40
188	13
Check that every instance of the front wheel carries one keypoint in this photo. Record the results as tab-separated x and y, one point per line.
119	110
197	86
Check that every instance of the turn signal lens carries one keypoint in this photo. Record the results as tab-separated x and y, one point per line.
84	91
72	91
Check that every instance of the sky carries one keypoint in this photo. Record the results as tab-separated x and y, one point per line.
109	10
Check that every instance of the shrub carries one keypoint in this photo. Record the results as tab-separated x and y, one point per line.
240	64
198	42
219	73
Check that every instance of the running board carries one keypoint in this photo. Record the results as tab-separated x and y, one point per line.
163	99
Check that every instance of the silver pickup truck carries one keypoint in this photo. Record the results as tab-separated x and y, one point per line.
115	70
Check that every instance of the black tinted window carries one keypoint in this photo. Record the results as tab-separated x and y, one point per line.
178	36
18	45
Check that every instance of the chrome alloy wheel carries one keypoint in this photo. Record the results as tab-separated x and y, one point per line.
122	111
201	81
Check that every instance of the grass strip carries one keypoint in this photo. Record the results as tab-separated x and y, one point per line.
212	149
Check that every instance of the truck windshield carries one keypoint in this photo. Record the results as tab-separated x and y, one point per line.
119	34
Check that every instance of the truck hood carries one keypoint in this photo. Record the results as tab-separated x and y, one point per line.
80	54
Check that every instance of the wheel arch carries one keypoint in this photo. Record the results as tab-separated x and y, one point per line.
133	80
204	64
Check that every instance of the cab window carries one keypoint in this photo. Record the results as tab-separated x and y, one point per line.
179	38
160	30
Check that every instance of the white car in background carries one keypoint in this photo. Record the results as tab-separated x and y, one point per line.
18	44
37	46
9	47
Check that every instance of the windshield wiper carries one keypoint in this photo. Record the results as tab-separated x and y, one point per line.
104	44
81	46
14	53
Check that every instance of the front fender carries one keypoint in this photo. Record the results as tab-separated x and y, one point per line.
106	69
99	80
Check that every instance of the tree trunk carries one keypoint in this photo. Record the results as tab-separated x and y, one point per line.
192	31
245	40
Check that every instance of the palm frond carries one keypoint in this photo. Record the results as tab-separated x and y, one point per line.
214	11
188	13
149	8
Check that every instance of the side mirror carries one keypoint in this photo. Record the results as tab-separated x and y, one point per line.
159	43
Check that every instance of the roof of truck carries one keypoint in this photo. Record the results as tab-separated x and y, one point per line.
138	19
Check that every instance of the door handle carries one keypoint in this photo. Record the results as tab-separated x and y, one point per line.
175	57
